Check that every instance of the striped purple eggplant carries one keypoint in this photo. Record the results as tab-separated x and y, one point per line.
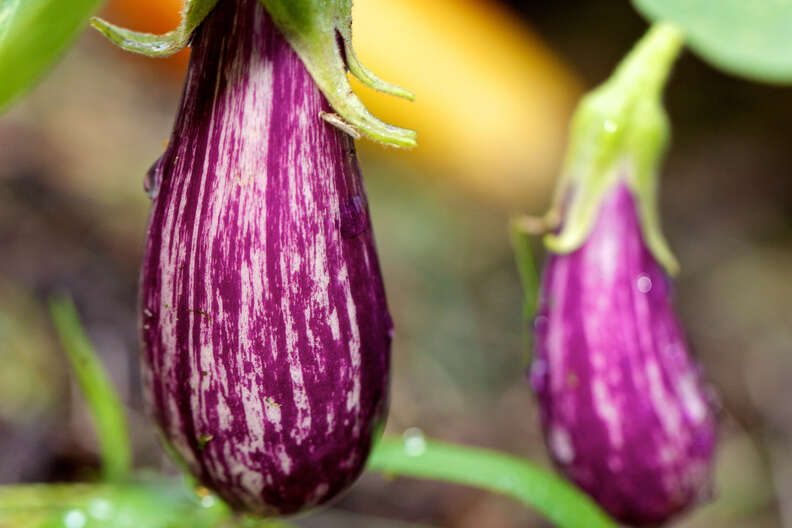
265	329
625	412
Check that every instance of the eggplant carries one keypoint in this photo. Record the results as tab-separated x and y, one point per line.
625	411
265	329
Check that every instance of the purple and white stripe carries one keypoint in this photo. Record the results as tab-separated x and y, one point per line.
625	411
265	329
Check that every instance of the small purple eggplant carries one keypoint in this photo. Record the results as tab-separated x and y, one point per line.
625	411
265	329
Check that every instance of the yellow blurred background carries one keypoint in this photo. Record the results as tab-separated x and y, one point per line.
495	84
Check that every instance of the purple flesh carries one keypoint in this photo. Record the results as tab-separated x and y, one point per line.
625	411
265	329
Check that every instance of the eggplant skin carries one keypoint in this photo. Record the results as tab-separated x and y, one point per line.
625	411
265	330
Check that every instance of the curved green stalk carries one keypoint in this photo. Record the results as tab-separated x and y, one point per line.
559	501
97	389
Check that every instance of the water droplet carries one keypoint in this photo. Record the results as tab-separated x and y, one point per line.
414	442
353	217
74	519
153	179
610	126
100	509
644	284
208	501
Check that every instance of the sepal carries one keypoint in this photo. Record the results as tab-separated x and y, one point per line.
320	31
153	45
317	30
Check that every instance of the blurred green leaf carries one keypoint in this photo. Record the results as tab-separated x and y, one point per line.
752	39
33	34
416	456
31	383
522	245
106	409
153	502
158	503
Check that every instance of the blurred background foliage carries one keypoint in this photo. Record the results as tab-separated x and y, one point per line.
496	82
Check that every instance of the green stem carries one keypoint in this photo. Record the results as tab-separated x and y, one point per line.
97	389
558	500
646	68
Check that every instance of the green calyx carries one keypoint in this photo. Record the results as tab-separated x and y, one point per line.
619	133
158	45
316	29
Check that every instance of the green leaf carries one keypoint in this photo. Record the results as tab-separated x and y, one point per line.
148	502
103	401
33	34
158	45
522	245
752	39
153	503
416	456
526	266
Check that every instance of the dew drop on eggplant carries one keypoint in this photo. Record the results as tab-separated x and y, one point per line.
644	284
153	179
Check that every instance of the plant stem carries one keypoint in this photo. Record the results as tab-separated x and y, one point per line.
97	389
559	501
646	68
